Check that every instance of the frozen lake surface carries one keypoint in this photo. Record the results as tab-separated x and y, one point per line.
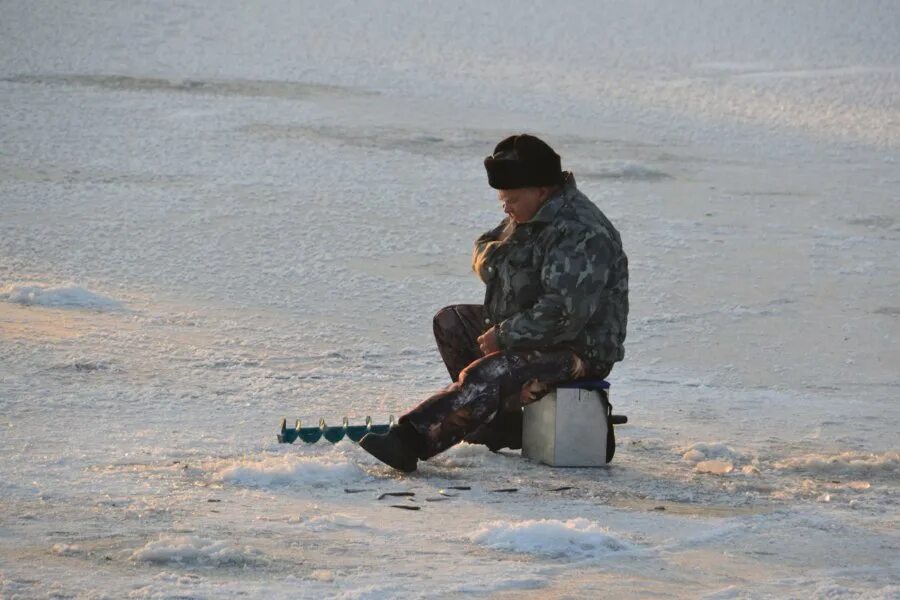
211	218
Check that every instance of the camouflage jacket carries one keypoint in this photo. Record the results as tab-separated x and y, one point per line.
559	280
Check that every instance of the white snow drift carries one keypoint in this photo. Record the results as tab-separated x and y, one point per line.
57	297
845	463
290	470
575	538
334	522
189	549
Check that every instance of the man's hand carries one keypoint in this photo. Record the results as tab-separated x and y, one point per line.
487	341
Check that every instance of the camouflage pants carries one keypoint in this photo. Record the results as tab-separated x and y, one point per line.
484	403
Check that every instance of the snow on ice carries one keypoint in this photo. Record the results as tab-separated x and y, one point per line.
713	458
701	451
57	297
190	549
575	539
334	521
291	470
844	464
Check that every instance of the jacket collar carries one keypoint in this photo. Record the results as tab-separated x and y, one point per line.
548	211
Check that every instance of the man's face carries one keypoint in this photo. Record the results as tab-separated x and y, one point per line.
521	204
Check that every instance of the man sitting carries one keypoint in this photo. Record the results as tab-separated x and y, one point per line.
555	309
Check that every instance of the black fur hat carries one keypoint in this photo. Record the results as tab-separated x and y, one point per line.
523	161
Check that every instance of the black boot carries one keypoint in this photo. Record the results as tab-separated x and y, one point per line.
396	448
503	431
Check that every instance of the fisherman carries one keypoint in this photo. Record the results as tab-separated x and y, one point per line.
555	309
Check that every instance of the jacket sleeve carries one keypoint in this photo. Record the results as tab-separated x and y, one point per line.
573	277
486	245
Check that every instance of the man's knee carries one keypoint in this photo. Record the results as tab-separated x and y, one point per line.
446	319
444	314
489	369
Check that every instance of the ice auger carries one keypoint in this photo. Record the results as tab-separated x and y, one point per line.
334	434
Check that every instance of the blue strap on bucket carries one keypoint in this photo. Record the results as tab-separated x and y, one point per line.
594	385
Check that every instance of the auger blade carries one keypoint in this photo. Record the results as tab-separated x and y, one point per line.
334	434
